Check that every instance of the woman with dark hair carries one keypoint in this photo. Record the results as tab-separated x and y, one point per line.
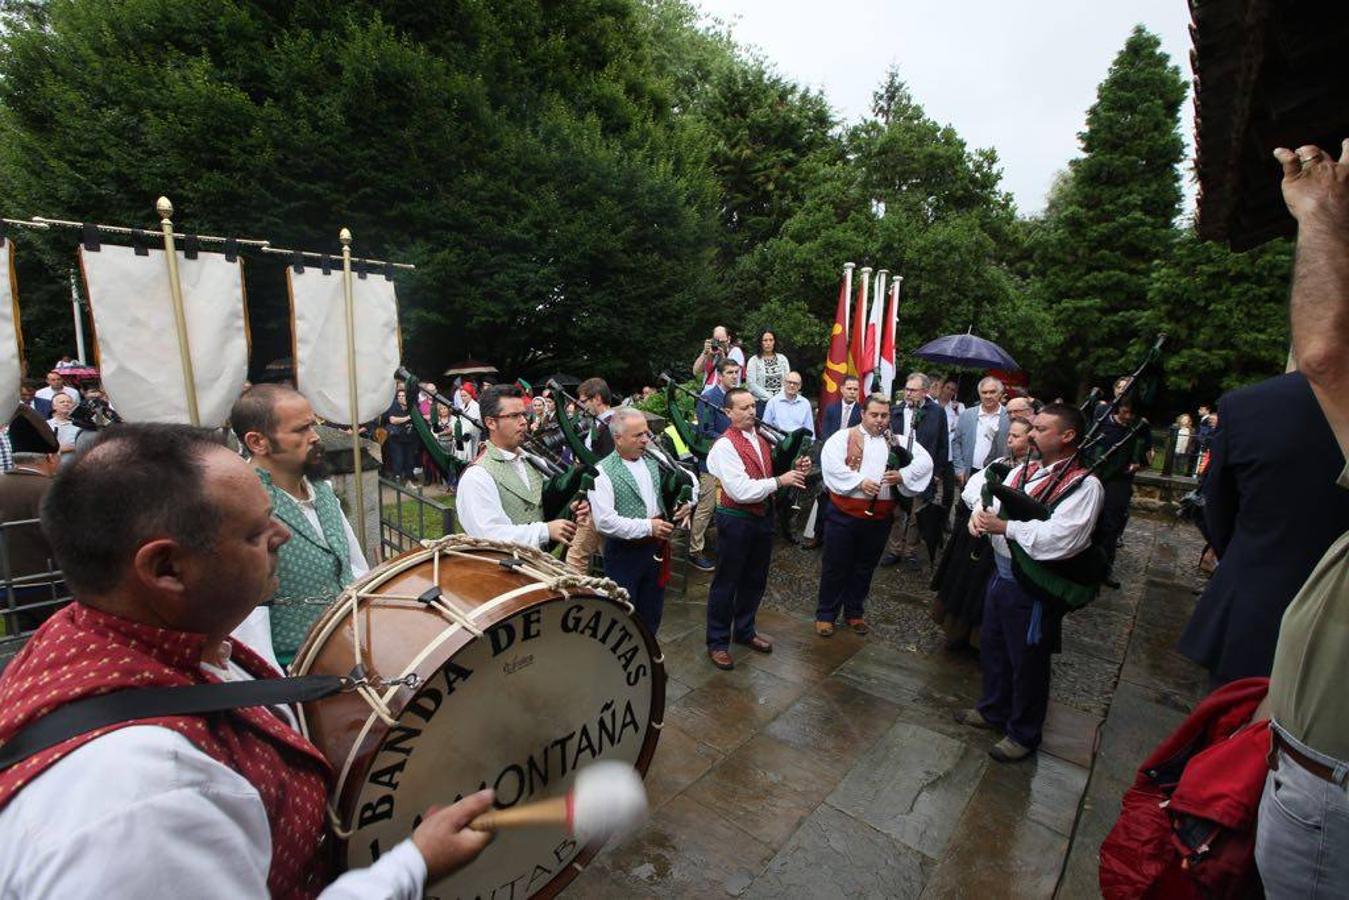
766	371
401	444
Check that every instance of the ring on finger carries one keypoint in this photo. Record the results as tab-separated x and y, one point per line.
1307	159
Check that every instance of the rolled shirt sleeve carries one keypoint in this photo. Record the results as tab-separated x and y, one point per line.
606	518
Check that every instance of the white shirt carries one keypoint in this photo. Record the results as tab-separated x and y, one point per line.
953	411
607	520
478	505
47	394
256	630
1066	533
840	479
985	433
734	353
726	466
142	812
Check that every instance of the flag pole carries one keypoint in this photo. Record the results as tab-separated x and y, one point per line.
165	210
881	277
847	307
353	395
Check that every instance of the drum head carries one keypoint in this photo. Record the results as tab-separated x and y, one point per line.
553	687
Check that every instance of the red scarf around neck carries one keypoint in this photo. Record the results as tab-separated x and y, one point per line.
82	652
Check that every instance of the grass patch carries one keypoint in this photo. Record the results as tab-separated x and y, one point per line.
424	521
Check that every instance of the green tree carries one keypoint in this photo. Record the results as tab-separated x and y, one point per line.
1113	219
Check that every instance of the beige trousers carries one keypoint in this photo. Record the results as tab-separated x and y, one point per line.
582	547
702	513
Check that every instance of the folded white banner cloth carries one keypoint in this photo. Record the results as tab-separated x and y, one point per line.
136	339
319	327
11	343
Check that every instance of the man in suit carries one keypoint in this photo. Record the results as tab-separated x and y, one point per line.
712	423
1270	517
846	413
980	434
926	419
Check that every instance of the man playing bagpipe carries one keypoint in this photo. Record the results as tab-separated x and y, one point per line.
630	511
863	472
1023	606
501	496
742	461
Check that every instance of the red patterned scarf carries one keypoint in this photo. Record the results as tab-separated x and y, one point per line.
754	468
81	652
1065	482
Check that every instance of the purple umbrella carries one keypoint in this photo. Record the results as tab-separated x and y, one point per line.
966	350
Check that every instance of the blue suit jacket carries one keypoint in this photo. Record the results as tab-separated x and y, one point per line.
966	433
1272	510
832	413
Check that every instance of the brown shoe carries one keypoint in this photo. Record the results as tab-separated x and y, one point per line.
721	659
859	626
758	643
824	629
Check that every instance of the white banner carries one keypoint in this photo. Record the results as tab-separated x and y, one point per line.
319	326
11	344
139	362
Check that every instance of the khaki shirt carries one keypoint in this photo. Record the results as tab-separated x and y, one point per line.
1311	661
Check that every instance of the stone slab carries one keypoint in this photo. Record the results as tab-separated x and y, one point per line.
833	855
912	785
1070	734
835	723
680	760
730	706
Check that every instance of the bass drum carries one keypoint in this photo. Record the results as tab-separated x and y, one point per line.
486	664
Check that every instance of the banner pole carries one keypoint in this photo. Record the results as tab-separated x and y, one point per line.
345	237
165	210
79	319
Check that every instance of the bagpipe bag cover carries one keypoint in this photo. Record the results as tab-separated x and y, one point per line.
136	336
319	320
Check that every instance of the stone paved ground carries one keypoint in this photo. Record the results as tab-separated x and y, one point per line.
831	768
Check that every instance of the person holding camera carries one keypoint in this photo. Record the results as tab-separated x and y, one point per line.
716	350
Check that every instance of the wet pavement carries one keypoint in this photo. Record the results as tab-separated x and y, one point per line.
832	767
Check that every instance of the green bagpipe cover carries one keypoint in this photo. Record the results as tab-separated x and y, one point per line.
446	462
560	490
698	444
786	451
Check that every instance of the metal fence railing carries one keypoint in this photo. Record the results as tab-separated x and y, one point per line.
408	516
31	587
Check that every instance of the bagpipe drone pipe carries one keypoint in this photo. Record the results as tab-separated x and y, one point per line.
446	462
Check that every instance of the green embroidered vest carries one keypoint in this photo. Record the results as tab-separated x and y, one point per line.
628	501
521	502
314	566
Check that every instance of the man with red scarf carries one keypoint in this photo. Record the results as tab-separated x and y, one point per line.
742	461
1020	631
168	540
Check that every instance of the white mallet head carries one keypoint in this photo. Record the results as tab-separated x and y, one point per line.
608	799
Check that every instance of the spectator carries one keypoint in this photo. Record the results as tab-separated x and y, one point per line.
56	384
1185	441
711	423
31	569
60	423
466	444
844	413
717	349
425	397
766	371
981	433
789	411
401	443
1118	481
922	417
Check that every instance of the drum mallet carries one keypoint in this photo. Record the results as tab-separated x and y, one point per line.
607	799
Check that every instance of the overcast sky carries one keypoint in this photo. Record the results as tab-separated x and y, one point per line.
1015	75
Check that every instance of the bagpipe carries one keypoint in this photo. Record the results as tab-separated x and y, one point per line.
563	484
676	482
443	460
787	446
898	458
1072	583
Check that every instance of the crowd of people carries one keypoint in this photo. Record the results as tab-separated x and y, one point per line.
193	563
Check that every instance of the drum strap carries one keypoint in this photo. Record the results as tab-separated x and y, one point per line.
131	704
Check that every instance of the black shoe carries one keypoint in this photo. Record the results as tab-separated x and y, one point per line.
888	559
912	564
702	563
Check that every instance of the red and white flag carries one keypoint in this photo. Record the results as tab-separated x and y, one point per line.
885	374
857	362
871	343
836	366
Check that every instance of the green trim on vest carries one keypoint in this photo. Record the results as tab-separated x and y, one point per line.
628	501
309	565
522	503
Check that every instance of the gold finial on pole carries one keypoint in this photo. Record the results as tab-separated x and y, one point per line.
165	210
344	236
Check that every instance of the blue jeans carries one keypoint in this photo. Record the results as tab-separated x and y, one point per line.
1302	839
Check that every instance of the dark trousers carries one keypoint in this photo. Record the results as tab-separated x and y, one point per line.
852	547
1016	675
1114	516
745	546
402	456
633	565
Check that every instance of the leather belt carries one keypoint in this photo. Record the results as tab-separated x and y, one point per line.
1319	769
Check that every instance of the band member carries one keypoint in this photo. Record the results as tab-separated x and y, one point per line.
845	413
501	495
168	541
277	428
1119	485
595	398
628	510
742	462
712	422
923	418
860	510
966	563
1020	630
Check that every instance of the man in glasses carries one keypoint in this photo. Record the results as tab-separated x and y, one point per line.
501	495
